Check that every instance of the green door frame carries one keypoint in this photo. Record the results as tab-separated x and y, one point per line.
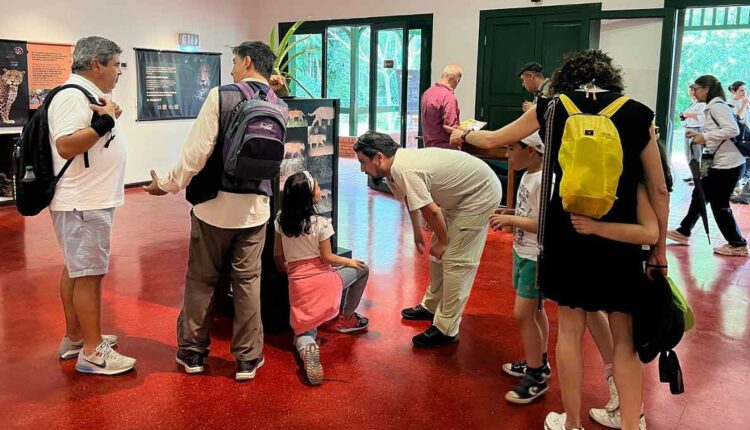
413	22
666	56
486	15
594	12
683	4
375	28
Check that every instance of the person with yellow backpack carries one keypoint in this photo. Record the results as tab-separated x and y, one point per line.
600	146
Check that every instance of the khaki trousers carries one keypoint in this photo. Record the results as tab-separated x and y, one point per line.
452	277
210	248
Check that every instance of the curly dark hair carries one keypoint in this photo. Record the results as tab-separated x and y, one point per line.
580	68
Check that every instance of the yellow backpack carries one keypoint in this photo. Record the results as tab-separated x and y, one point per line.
591	160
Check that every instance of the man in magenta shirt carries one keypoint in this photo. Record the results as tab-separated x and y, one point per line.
440	111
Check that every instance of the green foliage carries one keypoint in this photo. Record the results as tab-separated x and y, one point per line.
306	64
286	52
722	53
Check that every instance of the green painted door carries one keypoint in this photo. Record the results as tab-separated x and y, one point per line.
511	41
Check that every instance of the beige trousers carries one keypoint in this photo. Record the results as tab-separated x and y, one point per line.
452	277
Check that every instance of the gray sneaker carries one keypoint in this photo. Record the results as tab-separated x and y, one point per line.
104	361
313	368
69	349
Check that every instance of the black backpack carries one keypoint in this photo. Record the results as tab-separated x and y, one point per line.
35	177
742	140
658	326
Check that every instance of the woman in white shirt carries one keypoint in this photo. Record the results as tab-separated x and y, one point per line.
692	119
741	105
727	167
739	102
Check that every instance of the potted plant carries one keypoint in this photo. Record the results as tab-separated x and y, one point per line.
282	50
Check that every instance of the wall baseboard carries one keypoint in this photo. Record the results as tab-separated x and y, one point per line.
137	184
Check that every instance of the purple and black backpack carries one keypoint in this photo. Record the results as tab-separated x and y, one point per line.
254	140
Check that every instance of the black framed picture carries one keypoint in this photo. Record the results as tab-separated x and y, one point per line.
174	85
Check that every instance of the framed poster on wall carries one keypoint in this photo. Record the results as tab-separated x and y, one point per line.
174	85
14	90
49	67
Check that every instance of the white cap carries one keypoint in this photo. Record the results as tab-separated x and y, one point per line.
534	141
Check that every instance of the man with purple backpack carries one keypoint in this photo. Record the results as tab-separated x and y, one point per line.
232	154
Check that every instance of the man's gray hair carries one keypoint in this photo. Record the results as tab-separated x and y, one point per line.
93	48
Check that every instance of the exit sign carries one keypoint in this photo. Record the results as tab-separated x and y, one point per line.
189	39
388	64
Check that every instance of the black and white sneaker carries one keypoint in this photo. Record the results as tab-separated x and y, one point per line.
191	361
529	389
246	369
518	369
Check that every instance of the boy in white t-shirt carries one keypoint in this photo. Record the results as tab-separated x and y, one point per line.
532	319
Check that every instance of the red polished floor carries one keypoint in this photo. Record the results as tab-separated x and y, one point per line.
375	380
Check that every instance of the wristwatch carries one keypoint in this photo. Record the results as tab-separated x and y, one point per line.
466	133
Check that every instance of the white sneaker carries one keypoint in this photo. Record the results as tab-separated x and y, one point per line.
104	361
555	421
69	349
732	251
613	419
614	399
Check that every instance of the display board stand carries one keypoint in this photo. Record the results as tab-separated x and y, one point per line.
312	144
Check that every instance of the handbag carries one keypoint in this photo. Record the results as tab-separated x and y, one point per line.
707	160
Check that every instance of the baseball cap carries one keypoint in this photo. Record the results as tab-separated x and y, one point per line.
530	67
534	141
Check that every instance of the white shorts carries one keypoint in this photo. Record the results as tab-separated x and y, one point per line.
84	237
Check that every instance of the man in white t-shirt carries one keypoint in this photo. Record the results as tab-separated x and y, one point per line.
85	200
456	193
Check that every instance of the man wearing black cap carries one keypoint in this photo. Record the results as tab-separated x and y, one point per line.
532	78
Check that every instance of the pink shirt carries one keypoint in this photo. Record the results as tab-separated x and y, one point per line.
439	107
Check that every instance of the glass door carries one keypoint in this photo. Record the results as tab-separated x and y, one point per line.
387	80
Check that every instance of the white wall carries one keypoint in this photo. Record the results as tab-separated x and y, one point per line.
635	44
455	25
134	24
155	24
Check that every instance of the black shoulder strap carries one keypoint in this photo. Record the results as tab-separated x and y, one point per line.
92	100
86	92
547	174
718	125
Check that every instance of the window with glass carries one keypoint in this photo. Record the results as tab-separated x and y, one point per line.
305	63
